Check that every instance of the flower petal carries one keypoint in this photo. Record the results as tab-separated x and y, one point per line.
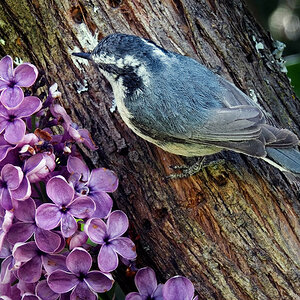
133	296
23	191
31	271
117	224
53	262
103	203
20	232
78	239
25	287
124	246
3	124
76	165
12	176
54	189
98	282
145	281
48	216
25	211
6	68
157	295
23	252
25	74
3	84
44	292
86	139
82	207
107	259
95	228
5	198
4	149
11	97
103	180
28	107
179	288
82	291
79	261
61	282
6	274
5	250
28	296
47	241
15	131
68	225
33	164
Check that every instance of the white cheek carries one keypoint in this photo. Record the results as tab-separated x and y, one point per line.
119	93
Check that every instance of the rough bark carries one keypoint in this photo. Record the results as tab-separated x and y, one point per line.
233	229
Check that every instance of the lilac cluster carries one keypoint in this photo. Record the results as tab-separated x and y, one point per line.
56	218
53	210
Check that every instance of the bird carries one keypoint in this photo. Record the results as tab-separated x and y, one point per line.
178	104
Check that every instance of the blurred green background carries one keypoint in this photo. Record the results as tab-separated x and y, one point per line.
282	19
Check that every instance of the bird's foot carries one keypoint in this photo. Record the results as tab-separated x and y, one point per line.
187	171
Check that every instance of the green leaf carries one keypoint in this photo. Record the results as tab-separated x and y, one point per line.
293	67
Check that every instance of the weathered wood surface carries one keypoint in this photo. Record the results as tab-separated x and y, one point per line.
233	229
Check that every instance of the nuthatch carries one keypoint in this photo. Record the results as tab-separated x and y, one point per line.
179	105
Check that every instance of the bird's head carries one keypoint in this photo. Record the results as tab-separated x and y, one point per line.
126	58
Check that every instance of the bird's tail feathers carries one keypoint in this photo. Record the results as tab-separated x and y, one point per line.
286	160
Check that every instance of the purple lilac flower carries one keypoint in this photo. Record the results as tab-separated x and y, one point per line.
11	119
71	129
64	208
10	179
146	283
83	283
11	81
39	166
22	230
35	168
179	288
95	184
109	236
53	94
29	260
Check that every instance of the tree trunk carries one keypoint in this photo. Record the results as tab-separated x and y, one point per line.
233	228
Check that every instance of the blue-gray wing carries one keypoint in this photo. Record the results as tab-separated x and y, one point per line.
208	110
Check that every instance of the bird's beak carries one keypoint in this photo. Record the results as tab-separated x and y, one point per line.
83	55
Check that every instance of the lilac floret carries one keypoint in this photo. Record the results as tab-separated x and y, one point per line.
72	132
29	260
35	169
11	119
22	230
109	237
95	184
64	208
11	81
146	283
83	283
